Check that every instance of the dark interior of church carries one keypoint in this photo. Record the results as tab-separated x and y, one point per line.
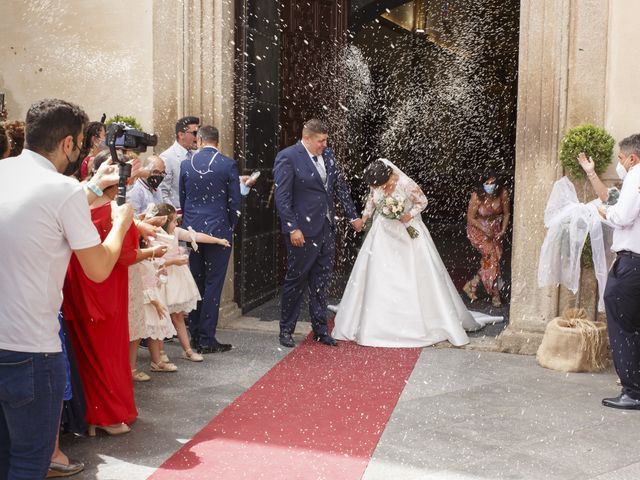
429	84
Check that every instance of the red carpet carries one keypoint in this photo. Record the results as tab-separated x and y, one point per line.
317	414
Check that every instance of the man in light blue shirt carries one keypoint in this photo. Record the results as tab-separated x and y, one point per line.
145	190
186	132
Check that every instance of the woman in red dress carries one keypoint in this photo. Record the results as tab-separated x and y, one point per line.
487	222
97	320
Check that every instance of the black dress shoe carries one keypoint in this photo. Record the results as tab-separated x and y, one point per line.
215	348
59	470
286	340
622	401
326	339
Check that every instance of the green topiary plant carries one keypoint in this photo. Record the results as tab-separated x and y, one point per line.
126	119
594	141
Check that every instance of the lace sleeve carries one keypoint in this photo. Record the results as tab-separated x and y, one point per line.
370	205
417	197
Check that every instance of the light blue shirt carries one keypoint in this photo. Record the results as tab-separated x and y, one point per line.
140	196
170	186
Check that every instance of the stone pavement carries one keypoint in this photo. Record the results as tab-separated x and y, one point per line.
465	414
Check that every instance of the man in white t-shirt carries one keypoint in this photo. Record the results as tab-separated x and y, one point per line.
44	217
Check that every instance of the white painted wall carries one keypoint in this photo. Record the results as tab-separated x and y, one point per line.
622	111
94	53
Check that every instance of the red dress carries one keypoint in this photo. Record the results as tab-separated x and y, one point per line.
97	320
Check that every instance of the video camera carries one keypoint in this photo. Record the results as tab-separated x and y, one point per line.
123	137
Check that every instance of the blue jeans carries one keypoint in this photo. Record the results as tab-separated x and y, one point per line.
31	389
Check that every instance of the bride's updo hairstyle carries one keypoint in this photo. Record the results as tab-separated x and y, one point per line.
377	173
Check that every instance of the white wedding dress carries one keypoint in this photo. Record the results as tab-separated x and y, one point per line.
399	293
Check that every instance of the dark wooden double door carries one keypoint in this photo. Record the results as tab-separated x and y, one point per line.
281	50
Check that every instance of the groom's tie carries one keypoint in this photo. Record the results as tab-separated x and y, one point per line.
321	170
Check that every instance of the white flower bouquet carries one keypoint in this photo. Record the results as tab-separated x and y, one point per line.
392	207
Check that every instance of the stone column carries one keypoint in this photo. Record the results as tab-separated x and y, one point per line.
542	96
194	62
586	98
562	83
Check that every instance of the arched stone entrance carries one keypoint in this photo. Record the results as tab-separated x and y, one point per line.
448	149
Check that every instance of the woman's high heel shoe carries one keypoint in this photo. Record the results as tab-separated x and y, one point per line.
115	429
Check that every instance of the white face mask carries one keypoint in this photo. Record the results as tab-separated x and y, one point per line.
621	171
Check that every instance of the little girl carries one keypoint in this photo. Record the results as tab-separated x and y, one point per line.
156	316
180	290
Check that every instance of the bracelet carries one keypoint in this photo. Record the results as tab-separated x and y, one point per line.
95	189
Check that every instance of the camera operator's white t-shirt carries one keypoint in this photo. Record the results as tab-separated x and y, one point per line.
43	217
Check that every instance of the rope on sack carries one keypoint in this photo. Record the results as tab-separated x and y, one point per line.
590	340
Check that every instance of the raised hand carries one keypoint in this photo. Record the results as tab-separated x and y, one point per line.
146	230
106	175
587	164
122	214
158	221
159	250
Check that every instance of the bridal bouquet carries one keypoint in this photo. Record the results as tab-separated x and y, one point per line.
392	207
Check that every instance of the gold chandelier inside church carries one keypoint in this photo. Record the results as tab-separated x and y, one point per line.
424	17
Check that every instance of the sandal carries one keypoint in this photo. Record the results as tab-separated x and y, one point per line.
191	355
163	367
139	376
470	288
496	301
163	357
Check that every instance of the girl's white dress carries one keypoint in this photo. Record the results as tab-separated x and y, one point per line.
158	326
399	293
180	293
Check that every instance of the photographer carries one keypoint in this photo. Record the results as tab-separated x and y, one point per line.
45	217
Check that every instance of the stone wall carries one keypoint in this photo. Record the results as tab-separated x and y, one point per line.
96	54
577	64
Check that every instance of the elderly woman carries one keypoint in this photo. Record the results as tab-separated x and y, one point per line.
487	221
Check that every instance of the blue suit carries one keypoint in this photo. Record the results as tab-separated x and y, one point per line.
304	203
210	200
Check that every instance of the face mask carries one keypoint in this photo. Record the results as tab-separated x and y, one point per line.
72	167
154	181
621	171
489	188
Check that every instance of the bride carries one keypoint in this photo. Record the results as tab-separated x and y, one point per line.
399	293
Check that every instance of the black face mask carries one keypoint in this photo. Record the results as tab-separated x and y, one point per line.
154	180
72	167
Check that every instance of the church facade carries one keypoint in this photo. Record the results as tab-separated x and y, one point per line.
238	64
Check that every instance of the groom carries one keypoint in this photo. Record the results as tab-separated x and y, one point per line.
307	180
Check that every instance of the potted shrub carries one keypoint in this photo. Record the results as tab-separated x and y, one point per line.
126	119
594	141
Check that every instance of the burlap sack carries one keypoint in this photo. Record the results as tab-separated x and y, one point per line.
574	345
